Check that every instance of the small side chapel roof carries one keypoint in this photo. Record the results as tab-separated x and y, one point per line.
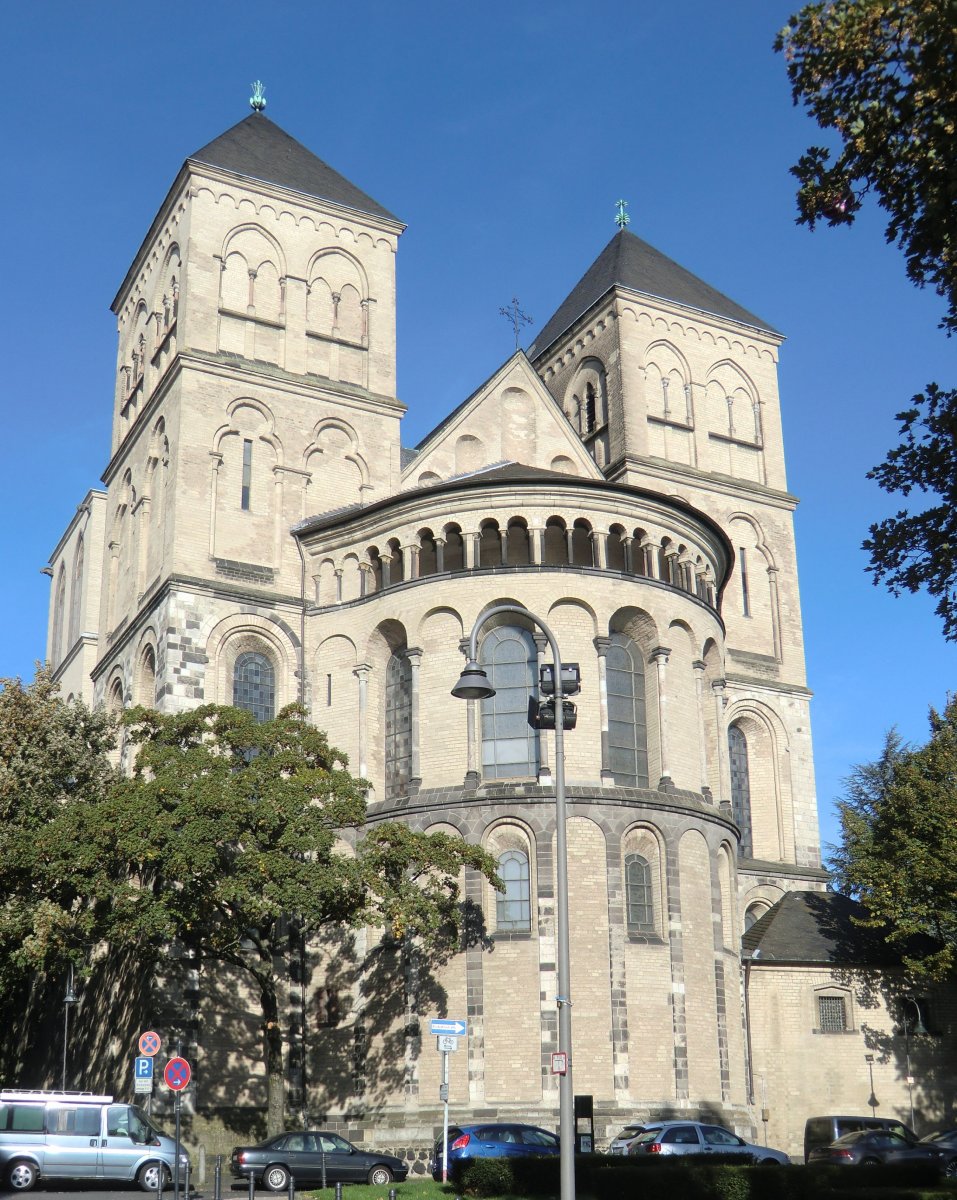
259	149
630	263
818	928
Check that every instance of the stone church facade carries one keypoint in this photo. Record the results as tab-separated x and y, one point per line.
263	536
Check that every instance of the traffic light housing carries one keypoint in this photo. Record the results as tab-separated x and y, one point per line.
541	714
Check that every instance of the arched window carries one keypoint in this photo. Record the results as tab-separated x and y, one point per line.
639	901
753	913
627	727
254	685
740	786
398	725
509	745
76	591
147	679
59	604
513	908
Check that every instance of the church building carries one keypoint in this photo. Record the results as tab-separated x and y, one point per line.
264	535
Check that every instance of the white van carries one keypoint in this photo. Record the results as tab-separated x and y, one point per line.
76	1135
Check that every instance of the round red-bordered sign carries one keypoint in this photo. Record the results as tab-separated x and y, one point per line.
177	1074
149	1043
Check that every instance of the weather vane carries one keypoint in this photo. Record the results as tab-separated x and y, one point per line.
257	101
621	217
516	317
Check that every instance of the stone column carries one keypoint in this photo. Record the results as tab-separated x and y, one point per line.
414	655
719	687
698	666
362	672
627	547
439	555
775	613
535	537
660	656
411	555
602	645
338	574
597	549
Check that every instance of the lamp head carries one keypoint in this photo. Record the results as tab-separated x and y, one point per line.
473	683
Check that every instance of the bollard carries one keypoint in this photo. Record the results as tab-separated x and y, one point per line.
160	1181
392	1193
186	1181
252	1186
292	1186
218	1178
338	1191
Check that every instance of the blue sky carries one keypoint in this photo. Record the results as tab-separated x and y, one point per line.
502	134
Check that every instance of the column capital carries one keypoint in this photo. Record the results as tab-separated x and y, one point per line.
699	665
362	670
660	654
602	645
414	654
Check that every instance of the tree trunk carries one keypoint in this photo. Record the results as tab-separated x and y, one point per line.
272	1052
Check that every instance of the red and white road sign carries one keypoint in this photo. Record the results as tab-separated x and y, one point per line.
177	1074
149	1043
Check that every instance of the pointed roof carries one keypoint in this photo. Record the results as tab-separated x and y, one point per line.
259	149
630	263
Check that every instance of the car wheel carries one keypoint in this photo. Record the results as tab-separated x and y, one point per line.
950	1168
22	1176
276	1178
148	1177
871	1162
768	1162
379	1176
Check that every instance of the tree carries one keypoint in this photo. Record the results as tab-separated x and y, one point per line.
882	74
54	760
231	833
898	852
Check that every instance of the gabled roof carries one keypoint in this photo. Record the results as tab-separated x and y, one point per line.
817	928
259	149
630	263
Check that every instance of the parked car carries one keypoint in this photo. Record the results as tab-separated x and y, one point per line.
875	1147
695	1137
54	1135
304	1154
822	1131
946	1143
506	1140
621	1141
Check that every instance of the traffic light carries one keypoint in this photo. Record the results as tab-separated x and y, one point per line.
541	714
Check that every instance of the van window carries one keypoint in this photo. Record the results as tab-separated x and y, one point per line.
83	1120
21	1118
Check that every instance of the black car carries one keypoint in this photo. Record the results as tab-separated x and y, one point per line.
303	1155
875	1147
945	1143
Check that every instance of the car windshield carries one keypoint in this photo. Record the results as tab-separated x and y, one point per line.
850	1138
629	1131
648	1135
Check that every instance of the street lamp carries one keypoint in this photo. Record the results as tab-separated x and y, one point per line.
474	684
872	1098
919	1028
69	997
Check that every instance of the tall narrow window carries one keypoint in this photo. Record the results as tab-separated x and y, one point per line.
398	725
509	746
627	728
254	686
638	895
247	472
740	786
514	905
832	1014
590	415
76	591
59	604
745	593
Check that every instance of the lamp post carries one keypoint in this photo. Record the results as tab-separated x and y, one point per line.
474	684
69	997
919	1028
872	1098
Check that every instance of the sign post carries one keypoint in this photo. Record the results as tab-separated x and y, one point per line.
177	1074
447	1033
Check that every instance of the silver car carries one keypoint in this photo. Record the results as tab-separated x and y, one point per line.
621	1141
695	1137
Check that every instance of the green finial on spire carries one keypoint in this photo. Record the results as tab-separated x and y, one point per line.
257	101
621	217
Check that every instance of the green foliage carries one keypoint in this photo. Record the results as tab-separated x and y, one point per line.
882	75
898	851
54	765
485	1177
913	550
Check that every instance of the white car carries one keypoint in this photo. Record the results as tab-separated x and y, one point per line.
621	1141
694	1137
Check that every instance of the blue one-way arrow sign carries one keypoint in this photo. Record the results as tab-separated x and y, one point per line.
447	1025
